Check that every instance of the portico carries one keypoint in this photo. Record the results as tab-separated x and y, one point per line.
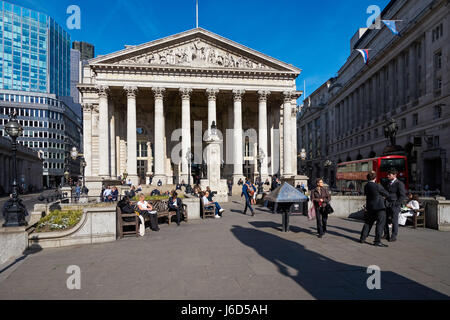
145	106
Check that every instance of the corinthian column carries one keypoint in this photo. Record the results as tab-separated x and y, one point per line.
262	131
185	130
131	134
212	95
112	140
103	133
237	141
287	148
160	173
87	138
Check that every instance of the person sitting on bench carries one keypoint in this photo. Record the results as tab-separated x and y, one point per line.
175	204
147	211
207	203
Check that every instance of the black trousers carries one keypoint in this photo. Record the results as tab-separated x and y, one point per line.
392	217
153	220
179	217
321	219
370	218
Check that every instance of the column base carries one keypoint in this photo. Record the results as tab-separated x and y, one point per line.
134	179
236	178
161	177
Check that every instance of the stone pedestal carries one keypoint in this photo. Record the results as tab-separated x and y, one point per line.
193	208
67	193
94	184
213	159
13	242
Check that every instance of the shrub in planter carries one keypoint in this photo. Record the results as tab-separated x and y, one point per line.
58	220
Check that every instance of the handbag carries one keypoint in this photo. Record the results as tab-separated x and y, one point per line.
311	213
328	209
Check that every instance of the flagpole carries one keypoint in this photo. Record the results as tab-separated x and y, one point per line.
196	12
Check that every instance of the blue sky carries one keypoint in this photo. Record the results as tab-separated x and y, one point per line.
312	35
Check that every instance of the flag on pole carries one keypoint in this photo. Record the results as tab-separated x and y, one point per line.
391	25
365	54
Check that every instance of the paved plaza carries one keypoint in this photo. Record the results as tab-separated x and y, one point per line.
239	257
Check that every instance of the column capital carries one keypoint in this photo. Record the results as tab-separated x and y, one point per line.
131	91
263	95
237	94
288	96
212	94
87	107
158	92
102	91
185	93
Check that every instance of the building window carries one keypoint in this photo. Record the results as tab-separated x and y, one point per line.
438	60
438	83
403	124
376	133
437	112
436	142
415	119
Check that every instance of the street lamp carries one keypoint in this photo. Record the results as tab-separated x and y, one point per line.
302	156
260	158
74	154
14	211
189	161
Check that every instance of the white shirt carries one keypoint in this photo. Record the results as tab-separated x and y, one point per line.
143	204
107	192
393	181
414	205
205	200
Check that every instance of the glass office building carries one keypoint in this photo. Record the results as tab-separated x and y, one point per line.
34	52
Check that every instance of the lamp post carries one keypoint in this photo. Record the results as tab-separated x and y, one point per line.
189	161
74	154
302	156
14	211
260	158
327	164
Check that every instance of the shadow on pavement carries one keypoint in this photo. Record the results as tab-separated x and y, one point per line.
31	250
325	278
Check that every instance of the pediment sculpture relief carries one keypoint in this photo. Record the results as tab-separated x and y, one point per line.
197	54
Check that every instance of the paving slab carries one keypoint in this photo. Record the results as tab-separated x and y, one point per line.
239	257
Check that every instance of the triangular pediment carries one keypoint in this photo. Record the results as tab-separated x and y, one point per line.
197	48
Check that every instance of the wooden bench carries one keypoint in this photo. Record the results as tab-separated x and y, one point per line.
120	223
207	210
418	218
162	209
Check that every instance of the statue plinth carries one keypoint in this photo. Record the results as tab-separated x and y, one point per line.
214	160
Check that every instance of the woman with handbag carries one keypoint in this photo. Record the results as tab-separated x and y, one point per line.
321	199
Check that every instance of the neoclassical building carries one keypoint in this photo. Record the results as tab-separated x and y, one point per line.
146	106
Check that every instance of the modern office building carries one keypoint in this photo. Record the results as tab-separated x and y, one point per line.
407	79
87	50
35	52
35	80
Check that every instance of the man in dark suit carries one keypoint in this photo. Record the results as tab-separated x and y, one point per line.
397	195
175	204
376	210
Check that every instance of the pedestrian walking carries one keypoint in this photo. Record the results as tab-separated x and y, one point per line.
248	190
376	209
321	197
397	195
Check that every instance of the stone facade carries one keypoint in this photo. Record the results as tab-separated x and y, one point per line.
29	167
138	103
407	78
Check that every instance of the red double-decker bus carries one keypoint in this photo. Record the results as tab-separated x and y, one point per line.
352	176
